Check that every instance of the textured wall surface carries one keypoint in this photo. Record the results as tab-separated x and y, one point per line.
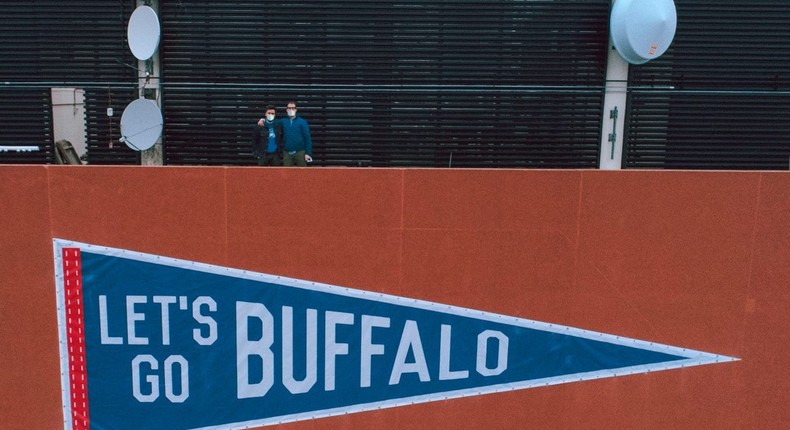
693	259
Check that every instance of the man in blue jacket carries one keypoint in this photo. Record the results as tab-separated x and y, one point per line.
297	143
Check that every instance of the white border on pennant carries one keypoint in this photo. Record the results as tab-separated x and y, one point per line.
693	357
60	291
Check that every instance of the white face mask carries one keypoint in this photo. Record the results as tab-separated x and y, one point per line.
270	117
291	112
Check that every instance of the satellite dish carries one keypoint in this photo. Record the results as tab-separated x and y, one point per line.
642	30
141	124
143	32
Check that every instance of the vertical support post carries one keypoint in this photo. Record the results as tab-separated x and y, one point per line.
615	94
149	73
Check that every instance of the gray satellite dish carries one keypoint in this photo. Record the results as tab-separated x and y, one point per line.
642	30
141	124
143	32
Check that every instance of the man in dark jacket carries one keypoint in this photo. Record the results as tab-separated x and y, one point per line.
267	140
297	143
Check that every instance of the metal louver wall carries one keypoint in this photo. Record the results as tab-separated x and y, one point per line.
416	83
720	97
26	118
49	43
103	132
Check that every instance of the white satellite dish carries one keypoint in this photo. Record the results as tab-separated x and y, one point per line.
642	30
141	124
143	32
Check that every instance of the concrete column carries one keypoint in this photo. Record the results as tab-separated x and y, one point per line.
149	86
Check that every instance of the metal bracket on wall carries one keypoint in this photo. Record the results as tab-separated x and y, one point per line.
613	135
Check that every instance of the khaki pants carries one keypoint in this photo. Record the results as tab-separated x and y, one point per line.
297	159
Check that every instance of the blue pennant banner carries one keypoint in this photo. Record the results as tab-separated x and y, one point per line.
159	343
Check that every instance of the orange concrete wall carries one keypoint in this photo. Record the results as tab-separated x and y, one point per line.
693	259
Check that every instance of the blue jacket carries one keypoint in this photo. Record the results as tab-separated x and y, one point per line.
296	135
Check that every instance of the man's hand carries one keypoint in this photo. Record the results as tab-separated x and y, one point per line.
260	122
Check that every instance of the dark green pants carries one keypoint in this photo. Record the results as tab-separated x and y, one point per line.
297	159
